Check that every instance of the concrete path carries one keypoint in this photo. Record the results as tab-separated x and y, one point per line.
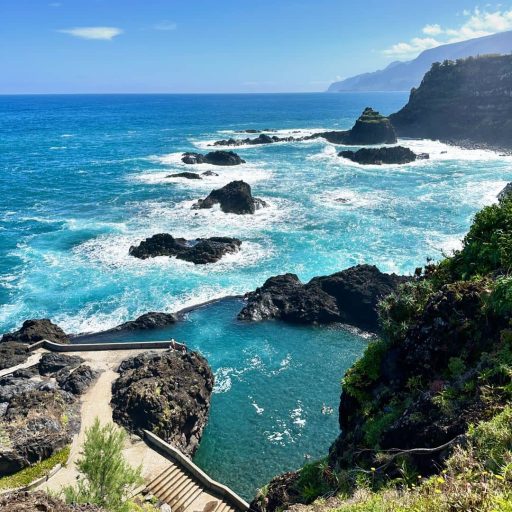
96	404
33	358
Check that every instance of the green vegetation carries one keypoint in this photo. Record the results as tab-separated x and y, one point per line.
28	475
106	478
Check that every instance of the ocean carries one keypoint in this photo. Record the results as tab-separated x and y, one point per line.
84	177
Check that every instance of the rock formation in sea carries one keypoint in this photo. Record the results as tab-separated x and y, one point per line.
386	155
465	101
166	393
235	197
37	330
350	296
370	128
225	158
186	175
198	251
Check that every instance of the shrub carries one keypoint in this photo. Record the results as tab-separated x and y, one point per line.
106	478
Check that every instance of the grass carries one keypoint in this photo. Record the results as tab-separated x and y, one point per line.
29	474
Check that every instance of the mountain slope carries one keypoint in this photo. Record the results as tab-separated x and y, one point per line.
402	76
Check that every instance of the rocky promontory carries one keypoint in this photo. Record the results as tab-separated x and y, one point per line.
166	393
350	296
224	158
396	155
36	330
235	197
465	101
198	251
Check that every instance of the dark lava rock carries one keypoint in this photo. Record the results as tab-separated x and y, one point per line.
281	493
53	362
37	330
26	373
151	320
260	139
350	296
36	424
192	158
466	101
187	175
225	158
235	197
371	128
379	156
166	393
12	354
79	381
198	251
209	173
38	501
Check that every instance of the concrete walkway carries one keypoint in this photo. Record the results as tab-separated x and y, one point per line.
33	358
96	404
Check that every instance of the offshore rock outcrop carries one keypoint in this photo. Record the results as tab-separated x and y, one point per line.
466	102
350	296
166	393
396	155
235	197
199	251
186	175
224	158
370	128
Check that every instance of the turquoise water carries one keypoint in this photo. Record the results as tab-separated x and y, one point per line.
84	177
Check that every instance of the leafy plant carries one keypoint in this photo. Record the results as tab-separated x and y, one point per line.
106	478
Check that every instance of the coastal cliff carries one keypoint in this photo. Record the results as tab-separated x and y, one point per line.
426	413
467	101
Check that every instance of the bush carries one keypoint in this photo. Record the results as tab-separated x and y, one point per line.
106	478
492	440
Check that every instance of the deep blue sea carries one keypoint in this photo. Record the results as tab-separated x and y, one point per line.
84	177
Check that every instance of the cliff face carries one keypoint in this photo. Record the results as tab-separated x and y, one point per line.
468	101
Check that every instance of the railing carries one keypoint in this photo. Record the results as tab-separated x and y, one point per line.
91	347
208	483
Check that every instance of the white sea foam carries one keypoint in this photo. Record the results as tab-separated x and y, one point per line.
296	415
346	198
223	381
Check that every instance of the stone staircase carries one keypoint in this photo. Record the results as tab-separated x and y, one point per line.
183	492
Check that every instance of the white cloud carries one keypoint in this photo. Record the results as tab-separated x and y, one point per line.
432	30
166	25
478	23
104	33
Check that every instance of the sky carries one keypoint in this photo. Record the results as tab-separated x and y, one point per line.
221	46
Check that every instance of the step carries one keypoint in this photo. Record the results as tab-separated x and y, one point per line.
192	497
181	493
168	494
173	474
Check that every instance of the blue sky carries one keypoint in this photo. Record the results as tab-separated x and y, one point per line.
72	46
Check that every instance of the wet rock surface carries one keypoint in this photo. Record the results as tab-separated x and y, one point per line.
198	251
235	197
224	158
387	155
166	393
186	175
